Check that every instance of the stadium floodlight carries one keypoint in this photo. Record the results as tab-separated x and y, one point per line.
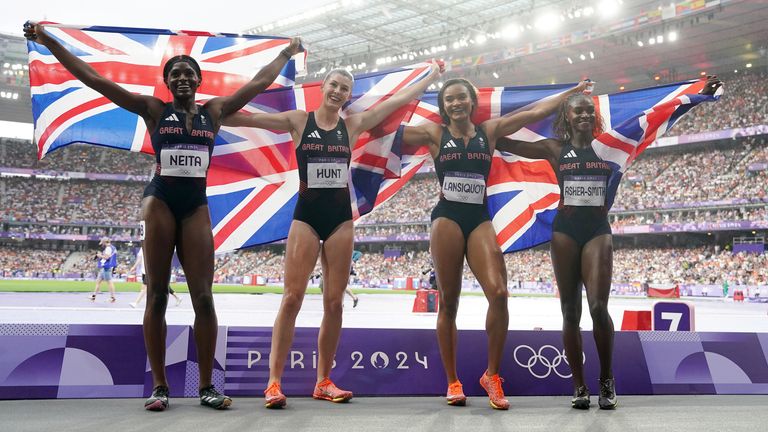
481	38
589	10
652	41
749	65
592	55
608	8
456	45
672	36
640	44
569	60
582	56
510	32
547	22
659	39
496	75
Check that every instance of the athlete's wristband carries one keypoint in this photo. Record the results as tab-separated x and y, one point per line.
286	54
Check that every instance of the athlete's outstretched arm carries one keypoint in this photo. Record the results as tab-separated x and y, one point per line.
146	106
288	121
226	105
543	149
513	122
365	120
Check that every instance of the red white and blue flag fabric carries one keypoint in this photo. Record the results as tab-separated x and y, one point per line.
523	193
65	111
253	181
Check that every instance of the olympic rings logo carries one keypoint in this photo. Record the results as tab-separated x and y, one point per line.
529	361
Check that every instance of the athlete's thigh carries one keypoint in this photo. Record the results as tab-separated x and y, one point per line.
566	264
159	239
337	259
485	258
597	267
301	251
446	241
195	249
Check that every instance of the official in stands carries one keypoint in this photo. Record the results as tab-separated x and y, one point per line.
174	207
461	224
582	245
322	220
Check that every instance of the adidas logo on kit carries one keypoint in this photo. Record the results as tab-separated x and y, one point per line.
315	134
450	144
570	154
172	117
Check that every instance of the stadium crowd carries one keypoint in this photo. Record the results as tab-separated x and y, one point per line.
743	103
702	265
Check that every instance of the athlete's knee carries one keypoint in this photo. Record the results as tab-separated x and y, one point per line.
157	297
599	310
571	315
202	301
333	306
497	294
291	302
449	306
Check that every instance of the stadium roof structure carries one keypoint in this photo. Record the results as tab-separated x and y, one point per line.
515	42
535	41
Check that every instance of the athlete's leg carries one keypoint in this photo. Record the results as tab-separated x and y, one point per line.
195	251
301	252
336	257
597	271
447	245
158	246
566	261
487	263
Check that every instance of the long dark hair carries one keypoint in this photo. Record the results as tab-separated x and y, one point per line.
472	94
181	58
562	128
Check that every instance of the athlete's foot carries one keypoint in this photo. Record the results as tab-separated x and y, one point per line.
492	385
92	297
455	395
580	398
133	305
209	396
608	400
327	390
159	399
112	299
354	302
178	301
273	396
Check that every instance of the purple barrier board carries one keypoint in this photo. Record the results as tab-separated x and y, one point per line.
104	361
62	361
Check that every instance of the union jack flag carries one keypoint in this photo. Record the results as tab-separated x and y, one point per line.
523	193
253	183
65	111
